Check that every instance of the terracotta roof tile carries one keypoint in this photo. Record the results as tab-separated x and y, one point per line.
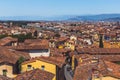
7	40
114	69
105	68
4	78
99	50
27	47
36	74
33	42
59	61
82	73
11	56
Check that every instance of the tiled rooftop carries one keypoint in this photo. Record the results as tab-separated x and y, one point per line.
11	56
36	74
59	61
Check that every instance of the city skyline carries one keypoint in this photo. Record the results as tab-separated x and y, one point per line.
55	7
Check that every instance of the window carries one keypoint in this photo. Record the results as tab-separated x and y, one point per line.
29	66
42	67
33	68
5	72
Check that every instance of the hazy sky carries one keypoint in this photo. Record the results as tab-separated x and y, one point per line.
57	7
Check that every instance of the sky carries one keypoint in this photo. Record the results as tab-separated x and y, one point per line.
57	7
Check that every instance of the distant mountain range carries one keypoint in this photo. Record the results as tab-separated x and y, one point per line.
101	17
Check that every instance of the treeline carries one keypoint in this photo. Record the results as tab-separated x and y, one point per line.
20	37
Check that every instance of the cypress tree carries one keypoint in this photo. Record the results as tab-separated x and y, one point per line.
101	42
20	61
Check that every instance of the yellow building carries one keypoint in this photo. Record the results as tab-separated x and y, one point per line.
9	61
70	45
7	70
50	64
60	46
96	36
108	44
111	44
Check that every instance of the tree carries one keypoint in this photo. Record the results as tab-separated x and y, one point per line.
22	37
20	61
3	36
101	45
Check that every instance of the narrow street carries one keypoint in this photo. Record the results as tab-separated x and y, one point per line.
67	72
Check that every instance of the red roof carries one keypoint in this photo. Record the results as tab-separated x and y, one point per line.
36	74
